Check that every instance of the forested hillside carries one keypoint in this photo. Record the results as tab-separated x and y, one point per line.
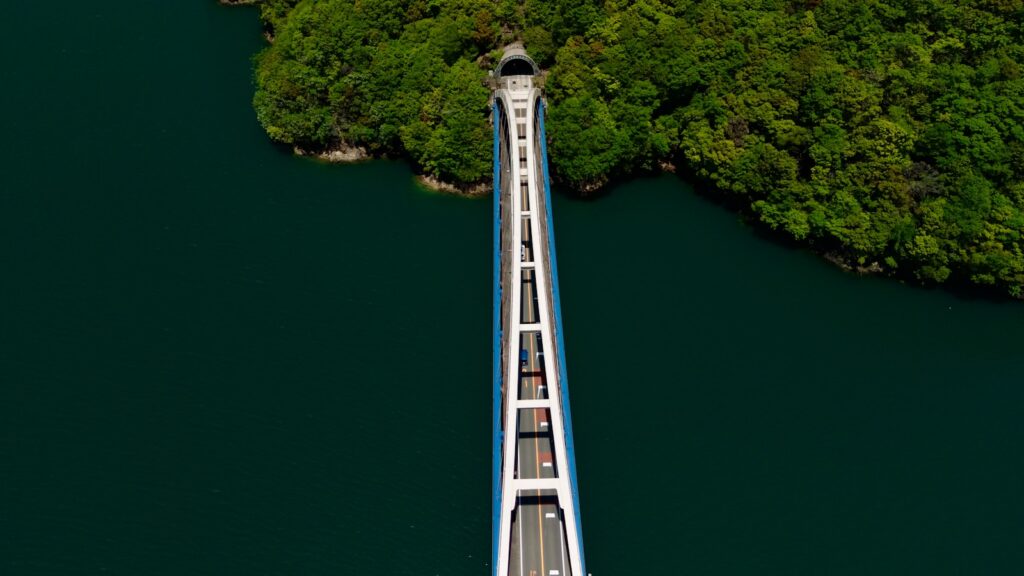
888	132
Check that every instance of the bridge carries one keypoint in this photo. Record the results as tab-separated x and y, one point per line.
536	519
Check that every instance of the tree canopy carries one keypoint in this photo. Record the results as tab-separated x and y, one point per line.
888	131
397	77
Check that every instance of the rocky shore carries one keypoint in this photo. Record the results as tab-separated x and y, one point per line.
339	154
348	154
474	190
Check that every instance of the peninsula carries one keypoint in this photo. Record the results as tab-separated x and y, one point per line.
887	134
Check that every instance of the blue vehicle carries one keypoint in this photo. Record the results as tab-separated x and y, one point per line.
523	357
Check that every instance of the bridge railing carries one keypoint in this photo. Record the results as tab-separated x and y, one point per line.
497	438
555	299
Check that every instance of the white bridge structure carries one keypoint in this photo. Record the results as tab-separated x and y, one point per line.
536	512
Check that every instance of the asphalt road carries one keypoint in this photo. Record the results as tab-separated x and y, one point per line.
538	543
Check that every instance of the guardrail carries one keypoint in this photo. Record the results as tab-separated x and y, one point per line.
563	380
497	337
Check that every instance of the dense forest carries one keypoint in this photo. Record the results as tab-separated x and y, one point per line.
889	133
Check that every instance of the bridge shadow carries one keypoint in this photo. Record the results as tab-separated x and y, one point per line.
541	500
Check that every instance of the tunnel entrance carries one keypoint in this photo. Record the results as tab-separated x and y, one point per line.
515	62
517	67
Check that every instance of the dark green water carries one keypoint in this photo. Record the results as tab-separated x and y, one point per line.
216	358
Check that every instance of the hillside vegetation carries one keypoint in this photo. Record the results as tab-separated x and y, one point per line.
884	132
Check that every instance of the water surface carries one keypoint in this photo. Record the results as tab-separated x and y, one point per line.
216	358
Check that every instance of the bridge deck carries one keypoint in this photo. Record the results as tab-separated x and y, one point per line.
538	532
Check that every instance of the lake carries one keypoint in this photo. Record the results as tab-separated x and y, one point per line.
218	358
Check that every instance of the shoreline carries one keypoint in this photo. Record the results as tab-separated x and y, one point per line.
477	190
347	154
340	154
